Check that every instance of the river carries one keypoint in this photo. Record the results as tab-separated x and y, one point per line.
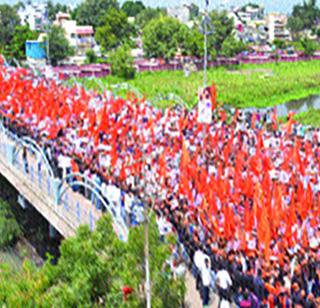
296	106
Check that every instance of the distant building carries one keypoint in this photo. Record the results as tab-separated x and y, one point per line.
79	37
33	14
182	13
250	26
277	27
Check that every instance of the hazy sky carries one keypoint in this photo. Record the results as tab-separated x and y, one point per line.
270	5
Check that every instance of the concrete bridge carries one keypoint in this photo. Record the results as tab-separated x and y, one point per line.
24	164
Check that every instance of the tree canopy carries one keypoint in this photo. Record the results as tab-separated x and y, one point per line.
122	63
133	8
92	271
222	28
92	12
9	20
55	8
145	16
304	17
160	37
59	47
17	48
164	36
115	30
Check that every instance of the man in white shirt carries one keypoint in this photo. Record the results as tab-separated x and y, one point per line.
206	282
224	283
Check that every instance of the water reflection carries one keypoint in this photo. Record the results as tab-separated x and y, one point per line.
297	106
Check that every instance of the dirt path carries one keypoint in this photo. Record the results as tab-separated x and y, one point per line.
193	299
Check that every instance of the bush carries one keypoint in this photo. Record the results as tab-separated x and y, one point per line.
91	57
93	269
122	63
9	228
309	46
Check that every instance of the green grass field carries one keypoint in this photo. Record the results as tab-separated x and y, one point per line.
244	86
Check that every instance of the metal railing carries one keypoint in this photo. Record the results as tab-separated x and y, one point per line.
66	197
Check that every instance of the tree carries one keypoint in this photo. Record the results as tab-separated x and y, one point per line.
222	28
122	63
115	31
160	38
9	20
280	44
54	9
145	16
190	41
309	46
304	17
92	270
91	57
59	47
92	12
132	8
231	47
17	48
9	228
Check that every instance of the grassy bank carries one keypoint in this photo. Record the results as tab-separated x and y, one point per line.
244	86
310	117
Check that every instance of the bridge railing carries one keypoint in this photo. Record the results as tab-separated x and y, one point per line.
65	197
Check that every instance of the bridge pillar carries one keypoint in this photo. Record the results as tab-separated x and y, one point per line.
52	232
56	185
10	153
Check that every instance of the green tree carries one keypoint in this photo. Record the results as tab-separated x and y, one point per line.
91	57
59	47
17	48
54	9
145	16
122	63
231	47
115	31
133	8
160	38
304	17
222	28
190	41
9	228
92	269
9	20
280	44
92	12
309	46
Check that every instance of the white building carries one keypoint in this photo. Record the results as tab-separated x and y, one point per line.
277	27
79	37
33	14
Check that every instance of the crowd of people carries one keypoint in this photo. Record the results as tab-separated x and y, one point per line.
244	190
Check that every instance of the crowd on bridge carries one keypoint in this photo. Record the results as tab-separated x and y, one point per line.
243	192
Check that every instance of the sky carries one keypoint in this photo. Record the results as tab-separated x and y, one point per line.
284	6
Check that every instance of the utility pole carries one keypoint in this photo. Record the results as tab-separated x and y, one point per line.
147	287
205	60
146	253
47	31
